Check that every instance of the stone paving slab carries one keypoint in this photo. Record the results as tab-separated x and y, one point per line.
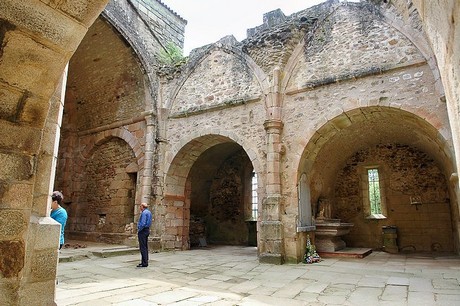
233	276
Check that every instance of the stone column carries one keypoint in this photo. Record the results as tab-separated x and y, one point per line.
271	246
147	173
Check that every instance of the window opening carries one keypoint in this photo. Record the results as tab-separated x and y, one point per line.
254	199
375	199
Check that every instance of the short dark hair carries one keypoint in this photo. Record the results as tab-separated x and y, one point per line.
57	196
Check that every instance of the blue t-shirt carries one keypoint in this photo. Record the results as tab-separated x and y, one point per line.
145	220
60	215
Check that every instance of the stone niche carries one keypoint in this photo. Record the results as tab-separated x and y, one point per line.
407	173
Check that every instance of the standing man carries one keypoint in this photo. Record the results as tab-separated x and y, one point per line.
58	213
143	232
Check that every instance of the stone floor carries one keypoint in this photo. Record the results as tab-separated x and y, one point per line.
229	275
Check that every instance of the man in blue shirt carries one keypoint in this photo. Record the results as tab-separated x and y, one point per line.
143	232
58	213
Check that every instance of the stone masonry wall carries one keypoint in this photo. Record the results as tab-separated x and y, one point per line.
228	80
225	221
105	80
349	43
407	172
352	59
38	39
108	202
166	24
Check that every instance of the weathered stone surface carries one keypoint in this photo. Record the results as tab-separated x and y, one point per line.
228	80
43	264
44	22
12	224
21	138
10	195
358	74
46	233
38	293
82	9
116	92
345	46
12	257
16	167
9	99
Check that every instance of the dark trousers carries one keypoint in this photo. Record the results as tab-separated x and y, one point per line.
142	236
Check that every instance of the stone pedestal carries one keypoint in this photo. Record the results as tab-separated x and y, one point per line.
390	239
328	235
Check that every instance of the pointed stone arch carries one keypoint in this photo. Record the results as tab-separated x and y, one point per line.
198	59
387	15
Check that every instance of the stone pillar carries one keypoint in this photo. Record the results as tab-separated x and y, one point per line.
147	173
29	238
271	246
38	38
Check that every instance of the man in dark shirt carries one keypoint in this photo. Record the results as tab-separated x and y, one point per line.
143	232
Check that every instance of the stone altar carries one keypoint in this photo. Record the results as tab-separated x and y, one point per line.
328	230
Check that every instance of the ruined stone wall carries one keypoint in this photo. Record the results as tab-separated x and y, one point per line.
228	80
349	43
106	81
166	24
273	42
351	63
38	39
107	190
111	92
350	60
225	221
407	172
245	121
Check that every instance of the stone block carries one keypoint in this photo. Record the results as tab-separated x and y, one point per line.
19	138
270	230
12	257
45	22
12	224
8	294
35	74
17	196
274	259
51	136
44	264
38	293
47	232
34	112
9	98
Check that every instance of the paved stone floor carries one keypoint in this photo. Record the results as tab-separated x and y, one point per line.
228	275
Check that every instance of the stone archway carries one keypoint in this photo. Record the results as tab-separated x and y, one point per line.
416	162
43	36
38	39
207	194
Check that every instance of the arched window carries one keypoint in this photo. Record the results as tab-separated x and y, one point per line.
373	192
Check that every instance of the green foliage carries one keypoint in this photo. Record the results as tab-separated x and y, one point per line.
170	55
311	256
374	191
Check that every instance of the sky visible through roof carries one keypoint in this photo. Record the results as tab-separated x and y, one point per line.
210	20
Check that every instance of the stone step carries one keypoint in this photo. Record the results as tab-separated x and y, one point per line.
70	254
116	251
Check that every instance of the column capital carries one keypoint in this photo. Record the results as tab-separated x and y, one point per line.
273	124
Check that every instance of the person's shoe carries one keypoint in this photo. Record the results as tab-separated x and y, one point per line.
141	266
